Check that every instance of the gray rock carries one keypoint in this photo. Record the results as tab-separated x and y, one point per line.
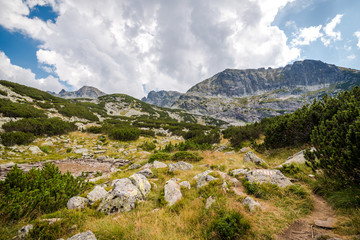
204	180
81	151
172	192
185	184
223	175
297	158
146	172
35	150
122	198
200	175
328	223
158	164
24	231
148	166
140	181
96	194
180	166
241	171
77	202
245	149
134	166
251	157
267	175
234	182
209	201
162	98
252	204
83	236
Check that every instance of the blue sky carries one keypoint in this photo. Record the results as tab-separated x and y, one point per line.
136	46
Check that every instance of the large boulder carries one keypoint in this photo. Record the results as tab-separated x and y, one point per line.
269	176
204	180
200	175
252	204
146	172
141	183
185	184
172	192
240	171
35	150
180	166
77	202
297	158
158	165
83	236
96	194
122	198
251	157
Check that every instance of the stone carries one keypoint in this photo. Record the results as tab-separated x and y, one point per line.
172	192
329	223
180	166
237	191
245	149
35	150
77	202
141	183
297	158
200	175
48	143
158	164
98	193
231	152
267	175
241	171
81	151
185	184
100	152
251	157
235	182
146	172
134	166
204	180
209	202
24	231
252	204
223	175
122	198
147	166
84	236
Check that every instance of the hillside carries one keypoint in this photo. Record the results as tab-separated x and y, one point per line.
252	94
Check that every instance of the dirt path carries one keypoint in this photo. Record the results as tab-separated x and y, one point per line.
303	229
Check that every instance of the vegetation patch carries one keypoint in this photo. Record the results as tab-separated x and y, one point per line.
186	156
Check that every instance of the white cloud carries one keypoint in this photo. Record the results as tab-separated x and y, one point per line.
330	34
118	46
351	57
307	35
20	75
357	34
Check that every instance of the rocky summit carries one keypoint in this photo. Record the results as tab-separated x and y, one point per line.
249	95
84	92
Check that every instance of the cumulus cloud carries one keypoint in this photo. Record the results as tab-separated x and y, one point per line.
307	35
118	46
329	29
18	74
357	34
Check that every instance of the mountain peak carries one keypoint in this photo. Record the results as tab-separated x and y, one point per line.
83	92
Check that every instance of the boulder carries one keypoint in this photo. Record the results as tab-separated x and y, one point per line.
204	180
223	175
234	182
172	192
180	166
158	164
267	175
185	184
245	149
298	158
241	171
146	172
24	231
122	198
83	236
35	150
252	204
251	157
209	201
141	183
134	166
148	166
77	202
200	175
81	151
328	223
96	194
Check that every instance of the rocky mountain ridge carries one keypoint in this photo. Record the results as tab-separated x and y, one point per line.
239	96
83	92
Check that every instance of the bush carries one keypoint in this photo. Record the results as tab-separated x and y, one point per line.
37	191
186	156
228	225
12	109
159	156
16	138
125	134
38	127
148	146
76	110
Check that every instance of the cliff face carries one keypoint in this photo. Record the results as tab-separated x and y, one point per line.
240	96
162	98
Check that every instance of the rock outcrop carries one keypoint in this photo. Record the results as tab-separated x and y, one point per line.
84	92
252	204
77	202
251	157
162	98
98	193
269	176
84	236
172	192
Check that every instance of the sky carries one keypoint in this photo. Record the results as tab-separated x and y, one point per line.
136	46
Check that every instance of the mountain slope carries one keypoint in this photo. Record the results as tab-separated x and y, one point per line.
84	92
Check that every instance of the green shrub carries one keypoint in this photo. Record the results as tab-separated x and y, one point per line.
290	169
37	191
228	225
148	146
3	93
12	109
159	156
16	138
38	127
186	156
125	134
261	190
147	133
45	149
76	110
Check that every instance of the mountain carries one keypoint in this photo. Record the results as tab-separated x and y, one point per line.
249	95
84	92
162	98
